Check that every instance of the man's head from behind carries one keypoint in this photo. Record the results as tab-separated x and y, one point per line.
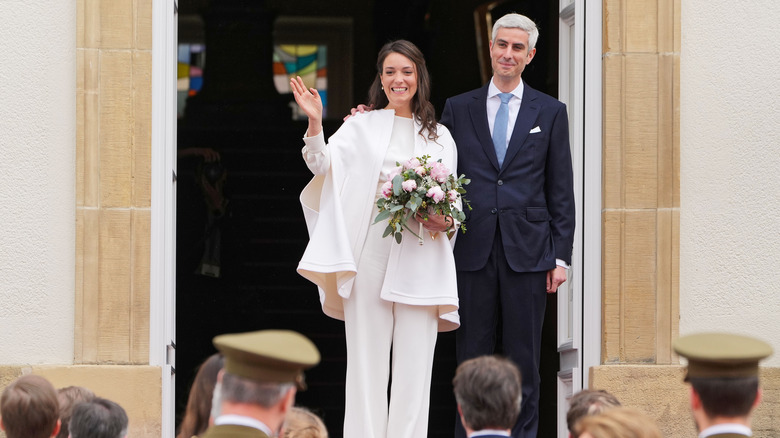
29	408
69	397
723	371
98	418
725	397
488	392
588	402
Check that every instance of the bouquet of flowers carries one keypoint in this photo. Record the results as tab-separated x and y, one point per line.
416	186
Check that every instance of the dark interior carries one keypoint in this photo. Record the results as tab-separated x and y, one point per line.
258	237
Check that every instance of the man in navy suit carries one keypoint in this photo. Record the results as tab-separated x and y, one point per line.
488	392
513	143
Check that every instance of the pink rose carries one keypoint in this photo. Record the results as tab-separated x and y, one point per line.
412	163
420	170
439	172
393	173
453	196
409	185
435	193
387	189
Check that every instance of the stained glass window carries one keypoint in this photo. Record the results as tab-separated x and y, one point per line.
307	61
189	78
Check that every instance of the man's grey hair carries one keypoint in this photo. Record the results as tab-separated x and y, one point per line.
98	418
240	390
489	392
517	21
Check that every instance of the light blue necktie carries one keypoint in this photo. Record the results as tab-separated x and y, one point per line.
499	127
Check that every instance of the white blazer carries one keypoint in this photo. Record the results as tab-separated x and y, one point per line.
339	205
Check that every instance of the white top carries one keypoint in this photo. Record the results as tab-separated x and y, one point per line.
401	148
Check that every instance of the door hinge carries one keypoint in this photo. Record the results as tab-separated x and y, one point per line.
170	356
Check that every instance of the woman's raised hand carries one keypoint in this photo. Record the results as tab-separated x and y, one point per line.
310	102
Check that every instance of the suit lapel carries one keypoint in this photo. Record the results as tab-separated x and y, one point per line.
478	112
526	117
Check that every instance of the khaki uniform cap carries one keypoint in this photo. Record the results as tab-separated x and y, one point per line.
277	356
721	354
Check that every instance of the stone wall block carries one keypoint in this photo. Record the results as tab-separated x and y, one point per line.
612	283
640	168
142	129
116	123
143	24
116	24
612	149
115	286
639	287
641	25
139	318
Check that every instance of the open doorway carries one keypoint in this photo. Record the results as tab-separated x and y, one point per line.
240	231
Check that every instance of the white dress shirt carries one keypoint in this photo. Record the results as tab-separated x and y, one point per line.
485	432
726	428
493	102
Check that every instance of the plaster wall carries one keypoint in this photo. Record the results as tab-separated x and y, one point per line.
37	180
730	169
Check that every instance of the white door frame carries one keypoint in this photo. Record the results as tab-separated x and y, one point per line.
162	278
579	299
591	226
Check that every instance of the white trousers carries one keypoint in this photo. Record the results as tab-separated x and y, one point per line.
373	327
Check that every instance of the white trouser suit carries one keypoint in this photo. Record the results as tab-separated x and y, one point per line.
385	292
373	325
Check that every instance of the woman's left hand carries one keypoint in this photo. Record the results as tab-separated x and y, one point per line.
435	222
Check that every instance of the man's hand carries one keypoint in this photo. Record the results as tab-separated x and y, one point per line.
555	277
360	109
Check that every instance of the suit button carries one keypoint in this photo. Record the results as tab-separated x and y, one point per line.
500	182
493	211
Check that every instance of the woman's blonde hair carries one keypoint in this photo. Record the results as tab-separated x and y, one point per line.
620	422
303	423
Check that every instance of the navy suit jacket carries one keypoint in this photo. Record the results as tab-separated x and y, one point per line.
530	198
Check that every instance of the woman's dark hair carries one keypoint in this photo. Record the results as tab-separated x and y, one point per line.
196	415
422	108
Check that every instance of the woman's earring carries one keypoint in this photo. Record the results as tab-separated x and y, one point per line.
382	87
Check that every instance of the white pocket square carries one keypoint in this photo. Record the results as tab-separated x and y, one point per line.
535	130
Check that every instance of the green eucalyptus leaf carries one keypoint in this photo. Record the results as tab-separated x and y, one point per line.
382	216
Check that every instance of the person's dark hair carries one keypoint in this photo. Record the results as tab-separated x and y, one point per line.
489	392
422	108
589	402
240	390
726	396
29	408
98	418
196	414
69	397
